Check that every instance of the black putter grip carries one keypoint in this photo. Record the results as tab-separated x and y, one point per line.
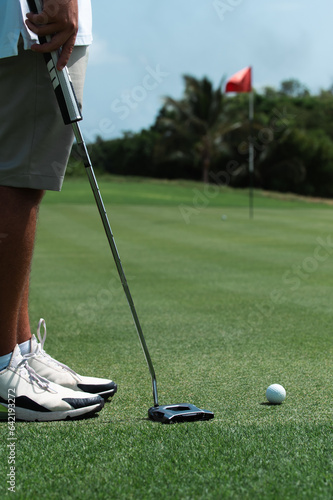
61	81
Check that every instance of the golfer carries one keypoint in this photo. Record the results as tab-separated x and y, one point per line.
34	150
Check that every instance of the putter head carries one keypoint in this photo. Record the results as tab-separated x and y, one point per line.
170	414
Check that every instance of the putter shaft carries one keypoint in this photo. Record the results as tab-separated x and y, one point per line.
107	227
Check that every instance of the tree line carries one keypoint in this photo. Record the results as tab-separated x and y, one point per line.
205	136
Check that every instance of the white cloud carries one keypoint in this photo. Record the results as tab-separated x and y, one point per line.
100	53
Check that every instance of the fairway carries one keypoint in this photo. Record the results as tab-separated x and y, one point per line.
228	306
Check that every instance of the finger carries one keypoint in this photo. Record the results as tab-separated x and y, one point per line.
65	54
42	30
57	41
38	19
55	44
50	29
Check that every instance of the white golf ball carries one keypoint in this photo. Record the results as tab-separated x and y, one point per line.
224	217
276	394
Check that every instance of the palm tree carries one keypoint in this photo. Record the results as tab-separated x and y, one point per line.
193	127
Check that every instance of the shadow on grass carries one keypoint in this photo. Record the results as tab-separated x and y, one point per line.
86	416
267	403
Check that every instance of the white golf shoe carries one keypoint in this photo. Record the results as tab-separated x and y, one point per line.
57	372
27	396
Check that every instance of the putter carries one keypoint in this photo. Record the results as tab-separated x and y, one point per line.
71	114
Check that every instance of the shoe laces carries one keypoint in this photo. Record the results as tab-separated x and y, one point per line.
40	349
43	383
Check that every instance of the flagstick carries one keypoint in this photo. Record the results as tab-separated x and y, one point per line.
251	153
242	82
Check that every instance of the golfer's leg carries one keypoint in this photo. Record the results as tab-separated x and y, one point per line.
18	218
23	323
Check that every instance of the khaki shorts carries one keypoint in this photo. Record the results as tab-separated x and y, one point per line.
34	142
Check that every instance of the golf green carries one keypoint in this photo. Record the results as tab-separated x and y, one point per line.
228	306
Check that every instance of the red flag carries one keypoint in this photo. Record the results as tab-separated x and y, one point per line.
240	82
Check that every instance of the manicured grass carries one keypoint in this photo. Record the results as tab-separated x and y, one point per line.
227	307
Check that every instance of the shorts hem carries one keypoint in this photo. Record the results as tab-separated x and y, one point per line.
33	182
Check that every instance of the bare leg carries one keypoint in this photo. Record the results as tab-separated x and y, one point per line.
23	324
18	219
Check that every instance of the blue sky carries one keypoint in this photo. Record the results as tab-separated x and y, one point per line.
142	49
